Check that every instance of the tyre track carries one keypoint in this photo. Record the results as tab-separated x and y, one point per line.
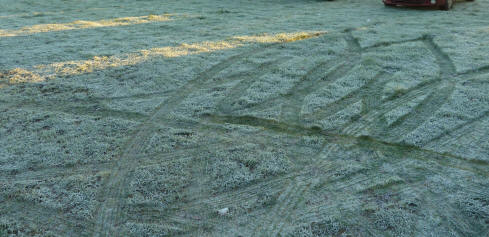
335	138
421	113
456	132
308	182
33	212
294	105
350	59
322	74
429	106
447	69
407	150
228	198
443	89
445	63
226	105
277	225
475	72
290	197
314	212
391	43
309	82
367	94
67	171
109	211
53	172
388	105
291	102
291	107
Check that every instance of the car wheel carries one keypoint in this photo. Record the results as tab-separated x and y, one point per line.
448	5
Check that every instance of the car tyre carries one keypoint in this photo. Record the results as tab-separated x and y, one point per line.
448	5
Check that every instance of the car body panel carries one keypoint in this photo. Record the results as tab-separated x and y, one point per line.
415	3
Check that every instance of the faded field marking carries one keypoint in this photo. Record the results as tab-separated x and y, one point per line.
44	72
80	24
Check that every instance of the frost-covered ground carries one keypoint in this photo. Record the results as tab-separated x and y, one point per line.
243	118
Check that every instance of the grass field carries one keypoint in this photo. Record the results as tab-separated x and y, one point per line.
243	118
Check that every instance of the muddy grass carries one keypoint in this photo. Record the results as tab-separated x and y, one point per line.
300	118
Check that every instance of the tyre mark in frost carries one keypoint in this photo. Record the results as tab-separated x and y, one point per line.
156	94
363	141
349	58
322	74
370	102
292	107
430	105
368	94
388	105
458	131
233	196
427	157
140	161
54	172
391	43
227	198
161	112
474	72
444	65
315	212
108	213
196	189
294	197
330	180
230	198
246	81
33	212
289	198
447	67
424	88
421	113
318	213
352	42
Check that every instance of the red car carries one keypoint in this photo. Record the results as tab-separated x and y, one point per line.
441	4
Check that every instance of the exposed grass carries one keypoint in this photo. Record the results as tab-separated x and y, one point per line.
81	24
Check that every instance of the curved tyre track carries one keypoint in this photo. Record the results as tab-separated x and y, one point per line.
291	186
293	199
108	214
246	81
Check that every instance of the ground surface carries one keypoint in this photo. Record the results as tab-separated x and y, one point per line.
303	118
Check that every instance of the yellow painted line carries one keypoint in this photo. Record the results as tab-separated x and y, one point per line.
76	25
47	71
